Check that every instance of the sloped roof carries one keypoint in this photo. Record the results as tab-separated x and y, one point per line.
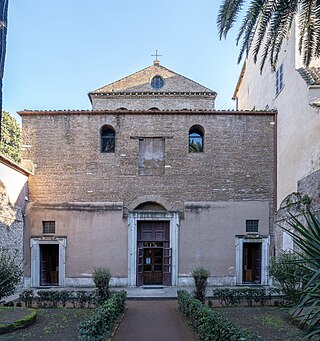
140	82
311	75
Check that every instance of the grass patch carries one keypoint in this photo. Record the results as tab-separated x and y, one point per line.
10	319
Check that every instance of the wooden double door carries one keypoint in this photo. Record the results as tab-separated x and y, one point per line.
154	253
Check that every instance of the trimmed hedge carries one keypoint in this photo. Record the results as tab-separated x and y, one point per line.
233	296
58	298
100	325
207	323
20	323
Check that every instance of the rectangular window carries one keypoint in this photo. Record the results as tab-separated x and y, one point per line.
279	79
48	227
252	225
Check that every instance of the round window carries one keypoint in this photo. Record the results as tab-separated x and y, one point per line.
157	82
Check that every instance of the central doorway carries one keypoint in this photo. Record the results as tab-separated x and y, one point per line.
153	253
153	264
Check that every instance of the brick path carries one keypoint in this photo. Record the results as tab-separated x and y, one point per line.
153	321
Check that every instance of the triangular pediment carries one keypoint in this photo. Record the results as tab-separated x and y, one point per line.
140	81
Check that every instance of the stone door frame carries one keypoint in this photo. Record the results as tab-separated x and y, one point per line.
35	259
265	243
133	219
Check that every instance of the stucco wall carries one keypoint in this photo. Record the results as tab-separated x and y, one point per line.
298	124
96	235
13	190
207	234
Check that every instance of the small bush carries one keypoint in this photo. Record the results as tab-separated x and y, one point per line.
101	278
206	322
99	326
290	275
27	297
200	276
10	273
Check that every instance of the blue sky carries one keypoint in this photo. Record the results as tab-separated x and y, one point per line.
58	51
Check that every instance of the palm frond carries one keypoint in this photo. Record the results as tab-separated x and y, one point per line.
227	16
306	235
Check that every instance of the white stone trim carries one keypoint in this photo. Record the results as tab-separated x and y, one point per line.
133	218
88	282
35	259
188	281
265	243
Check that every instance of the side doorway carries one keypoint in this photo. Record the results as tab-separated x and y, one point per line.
48	258
252	260
49	265
251	263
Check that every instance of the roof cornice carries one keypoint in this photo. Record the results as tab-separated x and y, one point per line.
146	112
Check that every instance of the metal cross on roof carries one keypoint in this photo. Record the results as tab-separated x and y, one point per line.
156	55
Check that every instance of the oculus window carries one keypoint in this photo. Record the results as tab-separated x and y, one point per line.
107	139
157	82
196	139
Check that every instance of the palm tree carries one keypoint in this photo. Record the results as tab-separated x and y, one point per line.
3	42
270	22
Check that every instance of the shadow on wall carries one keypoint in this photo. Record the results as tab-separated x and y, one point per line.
11	222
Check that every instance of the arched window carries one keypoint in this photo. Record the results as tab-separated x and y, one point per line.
108	139
196	134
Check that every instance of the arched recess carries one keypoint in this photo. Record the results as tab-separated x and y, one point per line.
150	206
157	199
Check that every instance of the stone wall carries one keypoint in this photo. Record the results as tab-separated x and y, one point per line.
237	162
308	194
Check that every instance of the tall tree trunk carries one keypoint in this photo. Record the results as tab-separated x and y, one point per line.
3	43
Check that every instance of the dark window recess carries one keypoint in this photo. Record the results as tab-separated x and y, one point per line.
108	140
151	156
195	140
48	227
252	225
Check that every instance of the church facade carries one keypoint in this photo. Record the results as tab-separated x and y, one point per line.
152	183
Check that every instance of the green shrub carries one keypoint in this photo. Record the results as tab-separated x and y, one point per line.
200	276
99	326
290	275
10	273
27	297
101	278
234	296
55	298
207	323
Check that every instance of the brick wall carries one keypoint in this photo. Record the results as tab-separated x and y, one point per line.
237	162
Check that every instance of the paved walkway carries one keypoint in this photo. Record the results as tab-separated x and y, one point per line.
153	321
